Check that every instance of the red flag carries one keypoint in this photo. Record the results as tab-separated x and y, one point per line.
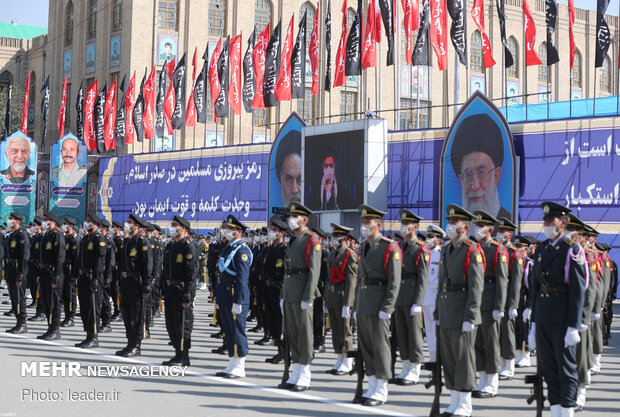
571	36
283	90
477	14
170	66
90	133
258	60
439	32
369	53
234	90
169	108
410	24
130	102
339	77
314	52
110	118
148	116
63	109
190	113
24	126
214	79
531	56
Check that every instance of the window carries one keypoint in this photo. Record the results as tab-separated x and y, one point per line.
410	113
92	19
117	16
513	47
305	107
605	83
310	12
575	74
69	24
348	105
260	117
217	17
543	69
350	18
168	14
476	52
262	15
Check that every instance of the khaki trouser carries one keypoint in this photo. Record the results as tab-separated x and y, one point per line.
374	341
458	358
409	334
299	336
487	344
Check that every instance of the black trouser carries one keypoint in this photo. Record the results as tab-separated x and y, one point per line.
115	291
69	299
86	306
16	292
132	305
521	327
51	298
33	281
106	306
558	364
273	315
318	320
173	295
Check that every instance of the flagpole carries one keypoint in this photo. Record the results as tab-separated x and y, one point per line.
594	102
525	70
417	99
617	74
570	92
396	65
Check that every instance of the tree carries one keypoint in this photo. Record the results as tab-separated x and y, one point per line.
17	105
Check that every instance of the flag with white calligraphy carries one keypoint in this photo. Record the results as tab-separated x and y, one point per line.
110	118
130	103
387	15
45	109
178	79
328	47
298	61
60	123
90	133
138	111
190	113
234	91
223	70
501	14
200	95
148	118
551	17
100	118
410	23
458	29
369	53
283	86
314	52
420	51
339	76
249	83
353	65
159	103
79	109
121	116
7	113
603	36
531	56
272	63
439	34
26	101
477	14
571	35
258	60
214	80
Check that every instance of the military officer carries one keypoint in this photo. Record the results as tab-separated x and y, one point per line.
525	249
461	282
52	277
408	312
118	239
158	260
71	269
34	266
108	273
90	282
232	295
16	269
558	296
136	283
492	306
318	313
340	296
601	282
302	270
178	276
433	242
379	277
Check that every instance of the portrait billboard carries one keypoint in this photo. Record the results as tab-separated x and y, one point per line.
67	63
167	48
18	167
90	58
115	51
68	174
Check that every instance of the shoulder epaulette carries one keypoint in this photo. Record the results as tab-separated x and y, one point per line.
468	241
495	242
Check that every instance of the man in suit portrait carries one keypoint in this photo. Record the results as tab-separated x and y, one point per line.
167	55
70	172
17	154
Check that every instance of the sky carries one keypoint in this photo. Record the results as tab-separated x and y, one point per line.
34	12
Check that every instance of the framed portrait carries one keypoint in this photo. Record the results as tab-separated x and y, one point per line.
214	139
91	57
68	162
115	51
18	175
512	92
164	143
167	48
67	63
477	84
576	94
543	96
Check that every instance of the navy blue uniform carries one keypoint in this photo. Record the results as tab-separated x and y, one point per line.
233	273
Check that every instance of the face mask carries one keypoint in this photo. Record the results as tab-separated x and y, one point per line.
10	223
287	240
45	226
272	235
263	239
127	228
86	225
404	230
335	242
550	232
64	228
173	232
430	244
365	230
479	232
293	223
228	235
451	231
255	239
500	237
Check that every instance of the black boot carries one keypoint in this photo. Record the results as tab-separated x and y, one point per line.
52	334
174	360
222	350
68	322
37	317
18	329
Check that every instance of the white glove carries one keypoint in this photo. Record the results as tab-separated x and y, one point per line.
497	315
527	313
512	313
346	312
305	306
467	327
384	316
355	316
282	306
236	308
416	310
595	316
572	337
531	338
583	327
324	308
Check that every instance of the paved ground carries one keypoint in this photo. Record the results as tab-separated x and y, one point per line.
200	392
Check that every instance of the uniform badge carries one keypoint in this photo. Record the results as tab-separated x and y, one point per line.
66	246
479	258
427	258
293	207
504	258
145	248
189	256
546	209
396	256
452	212
317	247
133	252
404	216
520	261
244	257
364	212
36	245
607	264
101	244
279	263
593	267
48	246
13	243
179	258
90	246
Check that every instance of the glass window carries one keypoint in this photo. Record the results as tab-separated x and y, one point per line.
262	15
350	18
305	107
605	82
168	14
92	19
117	16
69	15
513	47
477	63
575	74
410	112
348	105
310	12
260	117
543	69
217	17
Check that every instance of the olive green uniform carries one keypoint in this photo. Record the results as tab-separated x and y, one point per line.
507	341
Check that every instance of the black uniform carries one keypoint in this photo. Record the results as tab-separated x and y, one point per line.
71	269
153	302
108	277
52	262
116	277
273	271
34	264
92	255
16	270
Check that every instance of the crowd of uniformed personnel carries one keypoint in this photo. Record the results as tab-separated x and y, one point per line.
482	297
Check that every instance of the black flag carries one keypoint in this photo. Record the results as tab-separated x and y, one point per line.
249	80
551	16
501	13
387	15
458	29
7	115
178	79
272	65
298	62
45	109
603	36
223	71
100	118
199	95
160	123
353	65
328	46
119	124
420	51
79	108
138	110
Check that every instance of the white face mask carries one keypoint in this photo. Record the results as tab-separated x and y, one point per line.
263	239
272	235
10	223
287	240
365	230
430	243
335	242
64	228
500	237
127	228
293	223
45	226
228	235
479	233
550	232
255	239
451	231
86	225
404	230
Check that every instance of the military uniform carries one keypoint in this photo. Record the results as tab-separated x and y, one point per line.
108	277
602	289
318	315
430	296
34	266
71	270
16	271
522	358
53	259
116	275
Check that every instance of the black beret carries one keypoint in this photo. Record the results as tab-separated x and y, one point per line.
157	227
290	143
459	212
94	218
150	227
367	211
409	216
37	220
183	222
17	216
52	217
70	220
477	133
551	210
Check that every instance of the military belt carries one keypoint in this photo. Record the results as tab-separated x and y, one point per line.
376	281
454	287
297	271
553	289
11	261
225	280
